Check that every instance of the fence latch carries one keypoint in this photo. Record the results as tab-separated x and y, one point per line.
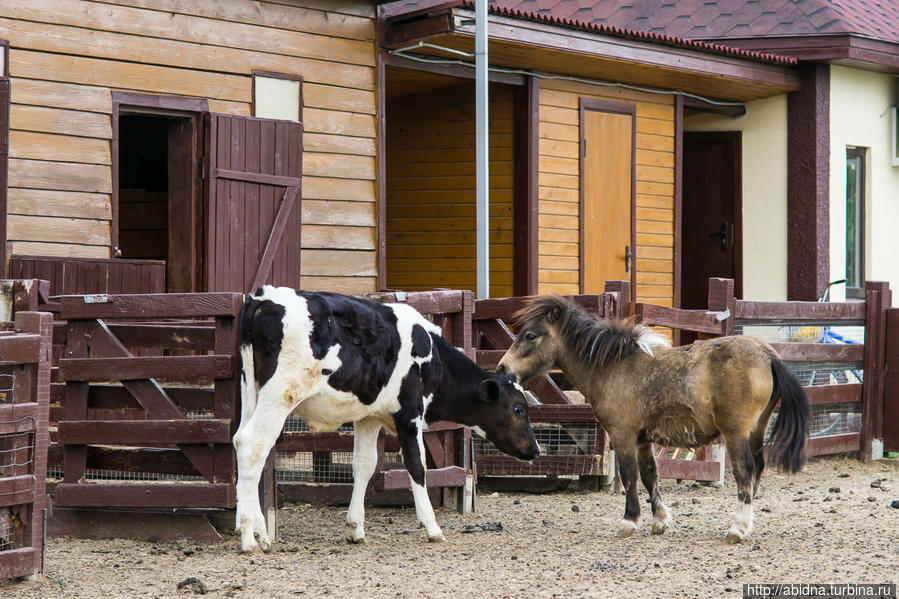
97	299
721	316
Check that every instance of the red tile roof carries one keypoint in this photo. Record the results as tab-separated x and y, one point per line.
575	22
710	19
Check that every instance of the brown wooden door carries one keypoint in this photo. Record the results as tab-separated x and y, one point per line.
607	186
711	214
253	220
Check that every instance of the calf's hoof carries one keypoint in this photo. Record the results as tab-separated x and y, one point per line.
355	540
441	538
625	529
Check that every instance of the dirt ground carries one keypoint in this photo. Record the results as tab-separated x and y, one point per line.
826	524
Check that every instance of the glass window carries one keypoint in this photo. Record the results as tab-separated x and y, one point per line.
855	225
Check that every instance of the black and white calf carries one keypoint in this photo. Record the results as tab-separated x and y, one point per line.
331	359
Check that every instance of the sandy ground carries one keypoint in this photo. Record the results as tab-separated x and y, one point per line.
826	524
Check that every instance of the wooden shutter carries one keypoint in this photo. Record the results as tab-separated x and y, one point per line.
253	221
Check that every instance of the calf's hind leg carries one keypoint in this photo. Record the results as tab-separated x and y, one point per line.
252	444
650	475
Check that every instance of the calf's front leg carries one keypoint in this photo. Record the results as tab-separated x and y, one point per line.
365	459
412	444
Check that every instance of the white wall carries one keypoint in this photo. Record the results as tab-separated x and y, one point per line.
764	135
860	116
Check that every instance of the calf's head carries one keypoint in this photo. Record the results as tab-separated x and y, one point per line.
502	417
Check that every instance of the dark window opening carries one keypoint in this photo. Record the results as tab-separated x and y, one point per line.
143	187
855	222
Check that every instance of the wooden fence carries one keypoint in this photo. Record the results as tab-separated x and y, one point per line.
76	276
24	406
841	379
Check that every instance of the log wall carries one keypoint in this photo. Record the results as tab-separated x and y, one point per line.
66	56
559	188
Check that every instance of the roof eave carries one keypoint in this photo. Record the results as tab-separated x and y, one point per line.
734	78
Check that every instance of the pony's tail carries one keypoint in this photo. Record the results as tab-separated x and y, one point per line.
790	435
248	375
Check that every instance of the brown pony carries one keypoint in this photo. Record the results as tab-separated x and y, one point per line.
643	391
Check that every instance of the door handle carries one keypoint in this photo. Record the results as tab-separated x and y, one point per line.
627	258
722	232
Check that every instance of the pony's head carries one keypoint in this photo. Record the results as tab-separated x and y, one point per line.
550	327
539	343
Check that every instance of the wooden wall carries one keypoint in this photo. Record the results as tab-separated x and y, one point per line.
431	190
559	188
67	55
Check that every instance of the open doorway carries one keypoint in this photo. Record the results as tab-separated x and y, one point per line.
157	207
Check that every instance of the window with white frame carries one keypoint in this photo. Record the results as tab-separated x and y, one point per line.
855	222
277	96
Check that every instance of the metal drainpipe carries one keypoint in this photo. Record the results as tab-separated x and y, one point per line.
482	223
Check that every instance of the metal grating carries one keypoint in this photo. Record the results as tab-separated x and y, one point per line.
817	374
830	419
314	467
574	440
7	384
16	451
12	531
803	333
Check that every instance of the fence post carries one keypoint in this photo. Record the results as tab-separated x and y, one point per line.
623	303
40	323
721	299
878	298
891	383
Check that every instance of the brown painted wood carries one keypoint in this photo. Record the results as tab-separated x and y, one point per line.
16	490
699	321
274	241
526	202
133	368
561	413
891	382
165	102
4	158
838	313
689	469
150	306
808	183
129	459
137	524
76	276
877	299
18	417
830	394
450	476
819	352
712	185
832	444
251	177
165	335
135	432
100	397
143	495
18	562
383	58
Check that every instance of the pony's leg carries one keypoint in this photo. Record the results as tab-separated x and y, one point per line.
252	444
649	474
627	467
365	458
743	464
756	446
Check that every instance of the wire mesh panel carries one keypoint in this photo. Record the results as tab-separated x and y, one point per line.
566	448
16	453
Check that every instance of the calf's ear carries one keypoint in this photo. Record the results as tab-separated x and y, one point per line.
489	390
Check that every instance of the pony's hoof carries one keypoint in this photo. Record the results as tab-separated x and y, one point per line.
733	538
659	527
625	529
441	538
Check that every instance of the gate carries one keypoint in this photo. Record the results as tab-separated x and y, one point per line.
253	225
24	407
148	431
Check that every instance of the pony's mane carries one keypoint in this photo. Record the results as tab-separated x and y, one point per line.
596	341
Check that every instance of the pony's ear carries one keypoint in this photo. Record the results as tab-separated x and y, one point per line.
554	314
489	390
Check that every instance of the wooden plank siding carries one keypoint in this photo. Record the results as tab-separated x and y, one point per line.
559	144
67	56
431	190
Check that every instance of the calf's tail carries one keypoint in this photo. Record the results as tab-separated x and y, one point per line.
791	429
248	388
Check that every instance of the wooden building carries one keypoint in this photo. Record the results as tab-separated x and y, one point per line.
119	167
214	144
